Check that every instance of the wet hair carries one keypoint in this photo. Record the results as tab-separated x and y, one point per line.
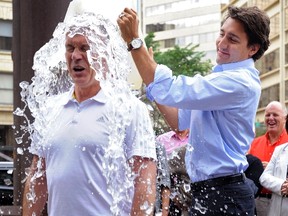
256	24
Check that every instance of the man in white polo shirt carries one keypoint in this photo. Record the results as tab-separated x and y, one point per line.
94	150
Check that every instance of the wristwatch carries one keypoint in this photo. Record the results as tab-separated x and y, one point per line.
136	43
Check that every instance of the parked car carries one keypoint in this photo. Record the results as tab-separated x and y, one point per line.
6	180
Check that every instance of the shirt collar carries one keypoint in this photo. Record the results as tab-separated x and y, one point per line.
281	135
100	97
232	66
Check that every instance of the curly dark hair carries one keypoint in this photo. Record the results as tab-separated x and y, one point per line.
256	24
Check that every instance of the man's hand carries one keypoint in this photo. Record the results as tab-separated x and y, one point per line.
128	23
284	188
264	163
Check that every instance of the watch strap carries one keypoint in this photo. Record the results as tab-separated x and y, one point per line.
130	47
137	40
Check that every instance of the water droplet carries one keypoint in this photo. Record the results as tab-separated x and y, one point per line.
20	151
18	112
18	140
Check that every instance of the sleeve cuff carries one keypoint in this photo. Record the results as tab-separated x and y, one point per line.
148	94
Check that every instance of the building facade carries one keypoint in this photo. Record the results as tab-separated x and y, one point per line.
183	22
6	76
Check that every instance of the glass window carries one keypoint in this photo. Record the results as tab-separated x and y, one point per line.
286	17
268	62
170	43
181	41
262	4
6	28
208	37
286	53
6	43
180	5
268	95
191	39
6	143
195	39
203	38
6	88
2	136
286	90
5	35
184	23
275	25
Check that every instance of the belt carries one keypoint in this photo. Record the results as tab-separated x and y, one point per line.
219	181
266	195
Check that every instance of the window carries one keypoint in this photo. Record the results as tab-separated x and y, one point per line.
286	18
155	27
268	95
268	62
262	4
6	142
5	43
6	88
180	5
286	90
2	136
5	35
275	25
170	43
208	37
184	41
286	53
184	23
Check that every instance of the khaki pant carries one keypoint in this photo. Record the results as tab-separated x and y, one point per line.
262	206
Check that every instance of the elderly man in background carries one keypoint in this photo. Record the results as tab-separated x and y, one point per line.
264	146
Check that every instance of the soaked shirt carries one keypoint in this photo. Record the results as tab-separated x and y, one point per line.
79	155
219	109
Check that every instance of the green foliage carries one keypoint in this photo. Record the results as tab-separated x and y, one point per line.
185	61
149	41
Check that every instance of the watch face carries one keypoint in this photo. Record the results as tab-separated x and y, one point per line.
136	43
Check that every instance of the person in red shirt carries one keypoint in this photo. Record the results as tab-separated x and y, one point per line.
263	146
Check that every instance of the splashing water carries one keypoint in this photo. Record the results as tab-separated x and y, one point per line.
109	58
200	208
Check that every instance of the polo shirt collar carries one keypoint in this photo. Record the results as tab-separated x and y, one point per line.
281	135
100	97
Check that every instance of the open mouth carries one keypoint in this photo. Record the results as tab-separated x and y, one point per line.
271	124
78	68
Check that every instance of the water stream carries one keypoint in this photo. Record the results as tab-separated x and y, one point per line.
109	58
